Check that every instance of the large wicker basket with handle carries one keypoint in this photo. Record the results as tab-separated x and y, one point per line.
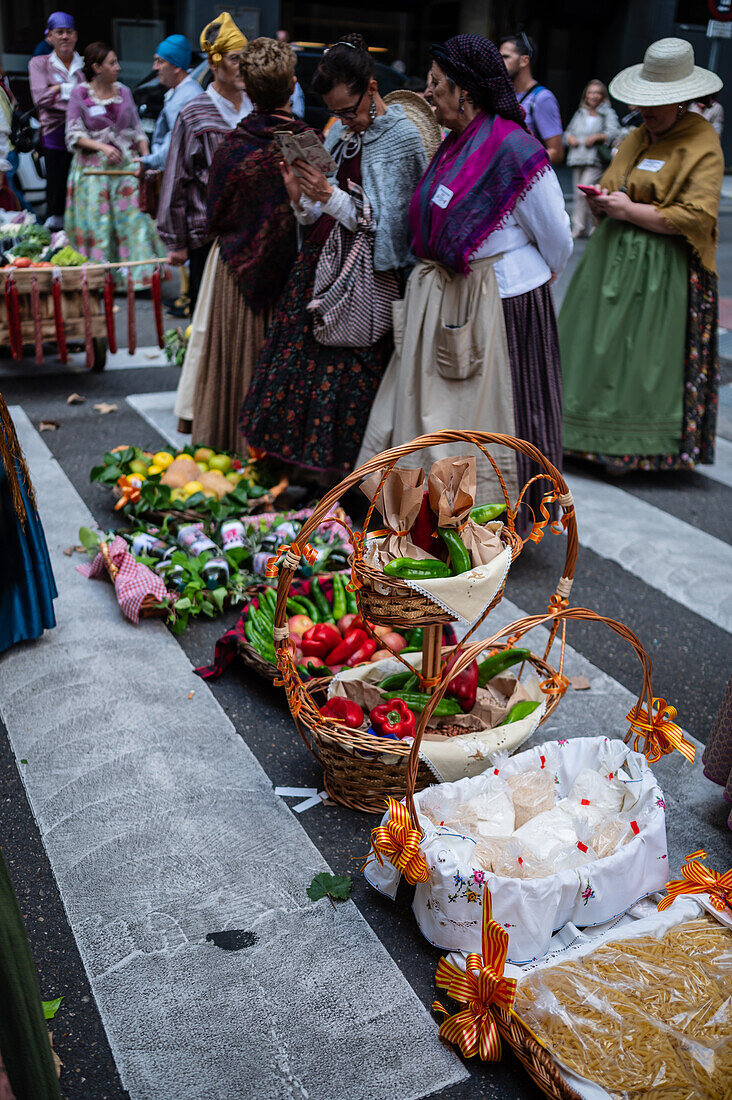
351	777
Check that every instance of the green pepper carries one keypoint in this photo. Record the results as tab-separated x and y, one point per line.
498	663
295	607
268	601
417	569
339	597
459	556
309	609
398	680
256	491
317	595
418	700
520	710
263	644
304	674
415	637
351	602
484	513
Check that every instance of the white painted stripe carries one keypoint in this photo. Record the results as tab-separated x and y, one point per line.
160	827
722	469
686	564
157	410
148	356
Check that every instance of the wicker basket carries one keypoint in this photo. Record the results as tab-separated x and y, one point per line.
150	608
350	779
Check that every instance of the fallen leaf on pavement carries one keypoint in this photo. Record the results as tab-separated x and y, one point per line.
75	399
333	887
74	550
57	1063
579	683
50	1008
49	425
104	408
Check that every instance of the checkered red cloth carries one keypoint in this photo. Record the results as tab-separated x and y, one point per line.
133	582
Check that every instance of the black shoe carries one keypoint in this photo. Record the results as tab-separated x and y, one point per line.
179	308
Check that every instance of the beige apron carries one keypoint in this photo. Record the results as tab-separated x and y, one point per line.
196	344
450	369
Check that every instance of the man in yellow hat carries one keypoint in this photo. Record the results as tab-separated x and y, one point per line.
198	130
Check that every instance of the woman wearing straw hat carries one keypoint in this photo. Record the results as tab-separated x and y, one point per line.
638	327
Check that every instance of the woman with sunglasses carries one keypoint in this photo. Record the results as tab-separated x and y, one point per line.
308	403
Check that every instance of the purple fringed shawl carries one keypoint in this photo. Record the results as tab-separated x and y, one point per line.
487	168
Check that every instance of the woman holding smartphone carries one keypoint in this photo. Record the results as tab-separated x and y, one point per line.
638	326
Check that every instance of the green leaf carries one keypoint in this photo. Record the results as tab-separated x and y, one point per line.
50	1008
88	539
335	887
218	595
183	604
96	472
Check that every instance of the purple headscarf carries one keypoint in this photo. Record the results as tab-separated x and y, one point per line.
475	64
59	20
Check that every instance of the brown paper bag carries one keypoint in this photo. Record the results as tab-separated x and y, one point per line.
451	486
399	502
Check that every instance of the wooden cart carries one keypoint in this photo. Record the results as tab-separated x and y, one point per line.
71	304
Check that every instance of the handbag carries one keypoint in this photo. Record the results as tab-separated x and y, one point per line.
148	191
24	136
605	154
352	303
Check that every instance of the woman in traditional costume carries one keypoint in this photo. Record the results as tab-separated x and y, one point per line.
104	132
309	402
638	326
27	587
249	212
476	339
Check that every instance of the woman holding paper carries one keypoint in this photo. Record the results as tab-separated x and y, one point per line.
308	402
638	327
104	132
479	348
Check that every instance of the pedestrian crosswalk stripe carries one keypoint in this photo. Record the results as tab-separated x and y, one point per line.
722	469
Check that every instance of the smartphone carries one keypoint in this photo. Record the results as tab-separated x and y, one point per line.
588	190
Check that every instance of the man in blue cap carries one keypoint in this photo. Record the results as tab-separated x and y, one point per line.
171	63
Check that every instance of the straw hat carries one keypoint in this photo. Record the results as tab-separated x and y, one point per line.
421	114
668	75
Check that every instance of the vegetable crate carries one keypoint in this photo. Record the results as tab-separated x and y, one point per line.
361	771
38	309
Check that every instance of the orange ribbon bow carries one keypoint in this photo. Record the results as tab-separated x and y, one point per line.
307	552
130	487
399	842
482	985
659	733
700	880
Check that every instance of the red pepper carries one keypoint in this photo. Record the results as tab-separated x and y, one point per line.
131	323
157	300
343	710
86	310
58	317
365	653
393	719
352	642
12	306
319	640
464	686
36	311
424	527
109	311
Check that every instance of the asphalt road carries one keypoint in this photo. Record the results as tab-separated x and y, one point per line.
691	657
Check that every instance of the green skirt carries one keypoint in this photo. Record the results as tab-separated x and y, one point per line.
622	334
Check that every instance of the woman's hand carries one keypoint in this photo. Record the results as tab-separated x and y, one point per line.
111	152
292	183
572	141
313	182
616	205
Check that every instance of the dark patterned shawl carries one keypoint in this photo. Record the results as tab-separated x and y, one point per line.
475	64
249	211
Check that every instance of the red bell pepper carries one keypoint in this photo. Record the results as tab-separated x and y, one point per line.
365	653
392	719
464	686
319	640
343	710
424	528
351	644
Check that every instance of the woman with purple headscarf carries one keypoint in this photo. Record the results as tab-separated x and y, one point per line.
476	337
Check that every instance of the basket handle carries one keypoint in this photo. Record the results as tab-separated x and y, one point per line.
648	723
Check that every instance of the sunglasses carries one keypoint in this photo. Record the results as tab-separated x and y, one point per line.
349	112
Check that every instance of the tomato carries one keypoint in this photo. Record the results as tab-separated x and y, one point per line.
22	261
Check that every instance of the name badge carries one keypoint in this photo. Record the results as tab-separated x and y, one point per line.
651	165
97	110
442	196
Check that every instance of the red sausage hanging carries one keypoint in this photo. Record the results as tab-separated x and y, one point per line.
109	311
86	310
36	311
131	323
12	306
58	317
157	299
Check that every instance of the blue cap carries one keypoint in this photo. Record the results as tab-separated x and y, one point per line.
176	49
59	20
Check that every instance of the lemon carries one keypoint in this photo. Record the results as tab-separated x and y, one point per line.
203	467
203	454
178	494
188	332
163	459
220	462
192	487
154	469
210	494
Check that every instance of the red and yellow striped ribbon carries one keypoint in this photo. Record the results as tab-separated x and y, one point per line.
659	733
700	880
482	985
307	552
399	842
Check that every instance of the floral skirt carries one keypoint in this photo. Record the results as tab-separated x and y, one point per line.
103	220
307	403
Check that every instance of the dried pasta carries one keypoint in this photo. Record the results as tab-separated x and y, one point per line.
642	1017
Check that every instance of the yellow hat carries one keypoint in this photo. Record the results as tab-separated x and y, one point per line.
220	37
